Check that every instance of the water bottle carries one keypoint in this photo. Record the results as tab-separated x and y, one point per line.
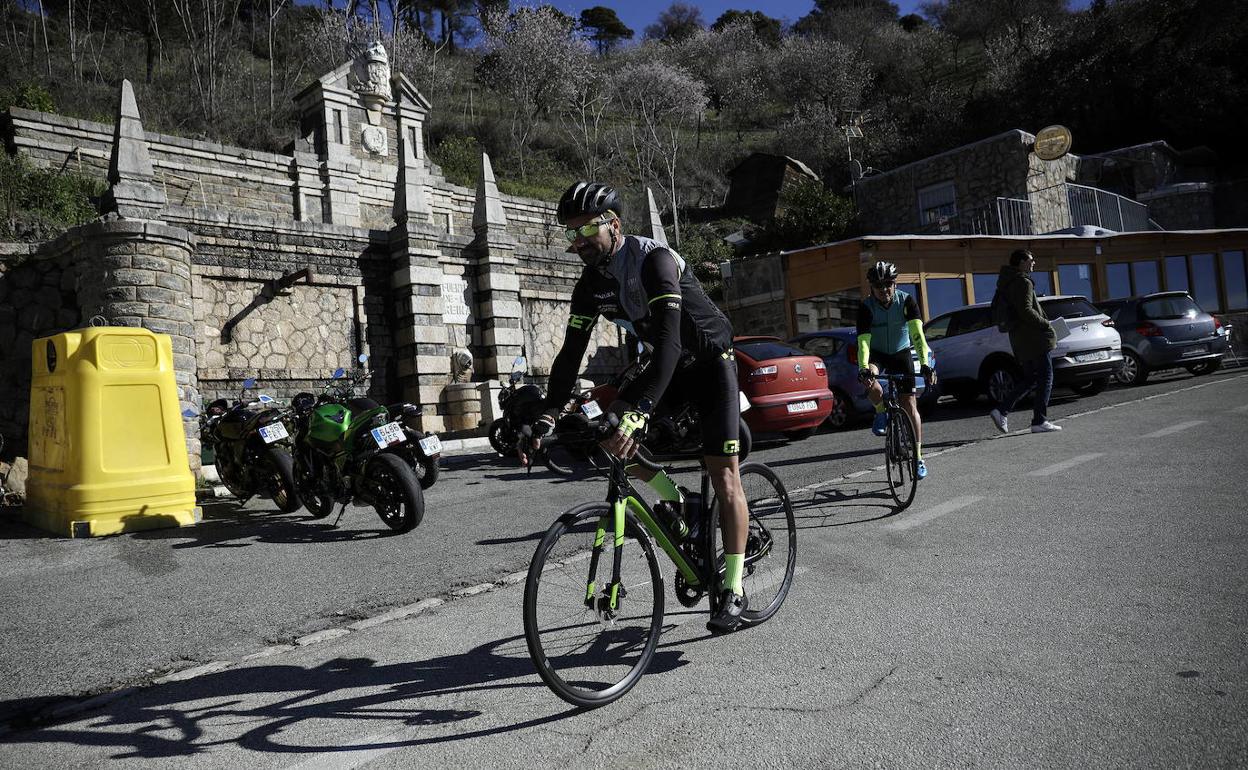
668	512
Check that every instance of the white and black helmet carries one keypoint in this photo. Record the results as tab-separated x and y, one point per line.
589	198
882	272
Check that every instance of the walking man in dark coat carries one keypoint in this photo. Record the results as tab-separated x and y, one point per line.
1031	337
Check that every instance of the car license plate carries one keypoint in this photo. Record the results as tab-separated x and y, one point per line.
1096	355
591	409
797	407
388	435
430	445
1194	351
273	432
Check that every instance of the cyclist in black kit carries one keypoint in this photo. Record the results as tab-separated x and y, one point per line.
647	289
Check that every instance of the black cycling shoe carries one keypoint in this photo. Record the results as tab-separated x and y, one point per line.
728	619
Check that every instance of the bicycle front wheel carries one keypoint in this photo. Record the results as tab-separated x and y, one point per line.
902	459
586	652
770	545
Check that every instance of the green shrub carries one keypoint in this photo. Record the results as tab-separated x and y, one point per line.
30	96
38	203
460	159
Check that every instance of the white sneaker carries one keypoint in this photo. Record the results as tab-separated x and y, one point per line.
1001	421
1045	427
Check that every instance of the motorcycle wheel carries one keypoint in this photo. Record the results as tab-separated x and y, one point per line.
426	470
280	480
498	438
397	497
318	502
230	480
558	459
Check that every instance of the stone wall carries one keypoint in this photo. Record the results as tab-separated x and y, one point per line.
38	297
1188	206
754	297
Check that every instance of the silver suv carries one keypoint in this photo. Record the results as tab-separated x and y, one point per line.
976	358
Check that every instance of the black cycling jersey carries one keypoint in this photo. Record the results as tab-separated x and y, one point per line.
647	289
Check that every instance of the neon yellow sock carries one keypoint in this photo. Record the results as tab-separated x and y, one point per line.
734	565
918	450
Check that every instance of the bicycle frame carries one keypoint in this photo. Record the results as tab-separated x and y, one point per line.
620	505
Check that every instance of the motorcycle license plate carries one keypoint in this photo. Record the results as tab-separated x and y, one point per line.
388	435
274	432
591	409
431	445
797	407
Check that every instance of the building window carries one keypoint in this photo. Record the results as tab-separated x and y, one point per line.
913	290
1075	279
1144	278
1044	283
1233	270
936	202
1118	276
945	294
985	286
1176	274
1205	282
339	128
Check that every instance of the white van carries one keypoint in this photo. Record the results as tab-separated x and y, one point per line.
975	357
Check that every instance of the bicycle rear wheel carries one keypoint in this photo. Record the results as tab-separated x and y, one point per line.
901	459
771	544
586	653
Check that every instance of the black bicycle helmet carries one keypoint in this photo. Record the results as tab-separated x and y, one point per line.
882	272
589	198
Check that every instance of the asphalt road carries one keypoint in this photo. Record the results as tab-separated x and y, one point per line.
1069	599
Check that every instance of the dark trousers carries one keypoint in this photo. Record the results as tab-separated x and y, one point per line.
1038	374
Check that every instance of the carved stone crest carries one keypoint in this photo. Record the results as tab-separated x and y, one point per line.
374	138
370	73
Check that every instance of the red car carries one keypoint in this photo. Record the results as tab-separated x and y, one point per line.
787	388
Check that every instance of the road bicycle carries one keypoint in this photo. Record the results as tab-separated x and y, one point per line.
594	595
901	457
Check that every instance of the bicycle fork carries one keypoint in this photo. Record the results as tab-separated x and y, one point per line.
615	589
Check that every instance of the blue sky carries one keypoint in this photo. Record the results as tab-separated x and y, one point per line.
638	14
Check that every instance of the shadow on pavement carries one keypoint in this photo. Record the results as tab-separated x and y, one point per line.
256	707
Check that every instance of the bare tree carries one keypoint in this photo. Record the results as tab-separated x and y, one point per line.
275	8
532	60
657	105
205	23
583	120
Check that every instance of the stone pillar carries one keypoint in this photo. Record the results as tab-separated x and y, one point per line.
134	270
652	226
411	201
138	273
341	204
420	340
498	285
308	190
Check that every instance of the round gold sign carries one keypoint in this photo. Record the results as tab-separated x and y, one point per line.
1052	142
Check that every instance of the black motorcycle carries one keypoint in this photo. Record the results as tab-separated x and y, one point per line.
521	404
251	447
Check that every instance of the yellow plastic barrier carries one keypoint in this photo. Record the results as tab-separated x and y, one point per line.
107	447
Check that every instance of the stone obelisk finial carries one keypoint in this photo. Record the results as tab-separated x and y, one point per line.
131	193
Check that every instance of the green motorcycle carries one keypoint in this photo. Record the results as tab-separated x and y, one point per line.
348	448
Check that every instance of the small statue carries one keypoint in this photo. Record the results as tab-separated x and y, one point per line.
370	73
461	366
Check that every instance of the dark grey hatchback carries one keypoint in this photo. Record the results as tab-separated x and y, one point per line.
1165	330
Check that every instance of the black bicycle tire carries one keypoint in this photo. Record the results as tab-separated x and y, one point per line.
575	696
899	422
753	616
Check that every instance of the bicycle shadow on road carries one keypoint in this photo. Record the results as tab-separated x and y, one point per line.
258	707
841	504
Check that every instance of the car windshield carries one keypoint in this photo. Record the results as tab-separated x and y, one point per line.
1069	307
762	350
1166	308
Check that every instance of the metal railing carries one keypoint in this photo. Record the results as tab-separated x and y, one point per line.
1004	216
1093	206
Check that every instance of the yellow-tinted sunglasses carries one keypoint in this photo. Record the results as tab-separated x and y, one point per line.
588	230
